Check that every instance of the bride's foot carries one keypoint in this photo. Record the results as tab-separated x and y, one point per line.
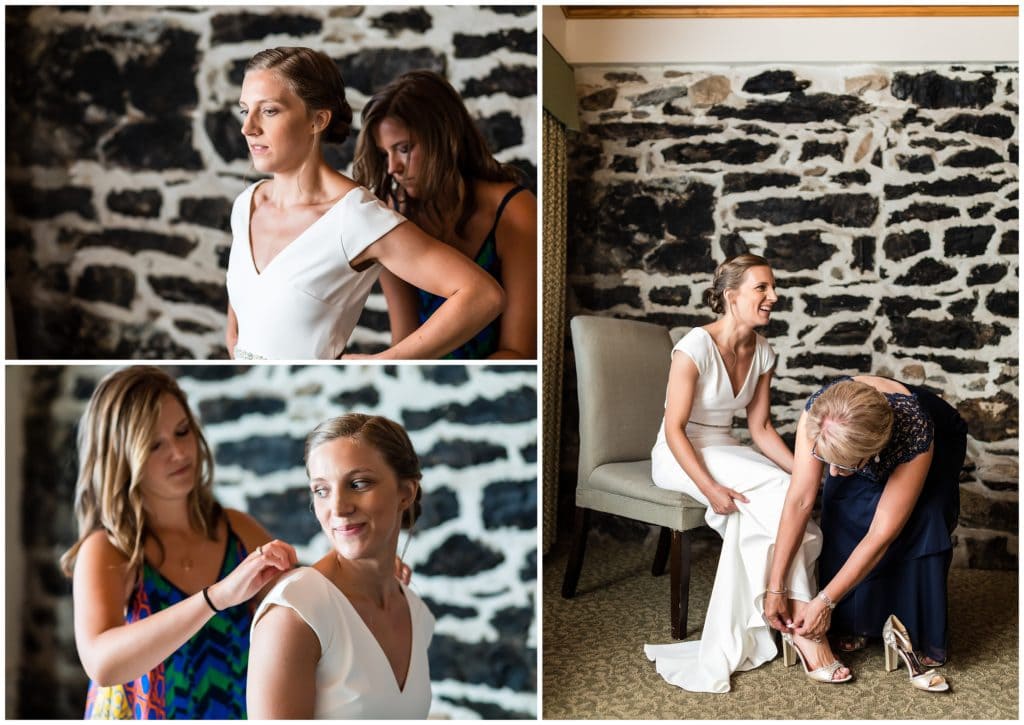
819	654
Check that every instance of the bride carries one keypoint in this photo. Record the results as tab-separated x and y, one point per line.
725	367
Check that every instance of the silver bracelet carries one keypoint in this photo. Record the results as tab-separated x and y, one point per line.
825	598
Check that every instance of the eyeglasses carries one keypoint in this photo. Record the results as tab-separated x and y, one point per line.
848	469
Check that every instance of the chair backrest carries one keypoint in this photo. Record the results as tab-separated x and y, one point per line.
621	374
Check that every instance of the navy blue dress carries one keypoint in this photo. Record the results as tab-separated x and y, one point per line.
910	579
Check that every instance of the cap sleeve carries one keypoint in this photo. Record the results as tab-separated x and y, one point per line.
304	592
366	219
697	345
766	357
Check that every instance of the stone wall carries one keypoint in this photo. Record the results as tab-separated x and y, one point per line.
126	154
474	555
885	198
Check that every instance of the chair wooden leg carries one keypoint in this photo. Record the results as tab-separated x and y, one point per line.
581	526
680	582
661	555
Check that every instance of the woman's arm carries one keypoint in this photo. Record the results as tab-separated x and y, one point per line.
283	655
113	652
231	332
796	512
894	508
682	385
472	297
516	238
402	309
759	422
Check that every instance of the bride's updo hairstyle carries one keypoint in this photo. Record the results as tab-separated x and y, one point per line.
729	275
313	77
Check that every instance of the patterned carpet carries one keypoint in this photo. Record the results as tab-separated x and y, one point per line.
594	666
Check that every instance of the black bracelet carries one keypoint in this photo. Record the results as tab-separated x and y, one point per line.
207	598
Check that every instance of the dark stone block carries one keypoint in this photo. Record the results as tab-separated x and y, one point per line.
599	100
963	186
518	81
732	244
193	328
678	296
237	27
775	81
365	397
517	10
223	409
1008	242
799	251
658	96
670	109
635	133
502	664
903	306
932	90
952	333
461	453
225	132
817	149
924	211
681	257
212	212
439	506
285	515
739	151
962	309
141	203
501	131
127	240
528	573
855	332
460	556
1008	214
601	298
223	252
842	363
876	158
515	40
951	364
211	373
690	214
529	452
375	320
986	274
991	419
453	375
848	210
439	609
974	158
154	90
487	710
154	145
513	622
34	203
516	406
624	164
994	553
184	289
371	69
859	177
100	283
927	272
416	20
900	245
826	306
979	511
739	182
863	253
967	241
1003	304
626	77
915	164
510	504
798	109
262	455
993	125
979	210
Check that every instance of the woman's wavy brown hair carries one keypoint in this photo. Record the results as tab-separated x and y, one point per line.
454	153
114	439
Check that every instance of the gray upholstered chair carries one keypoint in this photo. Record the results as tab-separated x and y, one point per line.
621	373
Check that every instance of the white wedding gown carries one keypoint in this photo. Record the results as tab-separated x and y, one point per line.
735	636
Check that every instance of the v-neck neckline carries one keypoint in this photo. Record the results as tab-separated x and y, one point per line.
366	628
248	230
746	377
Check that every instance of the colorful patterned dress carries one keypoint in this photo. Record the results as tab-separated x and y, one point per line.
203	679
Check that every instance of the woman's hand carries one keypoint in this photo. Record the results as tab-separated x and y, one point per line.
253	573
722	500
815	621
776	611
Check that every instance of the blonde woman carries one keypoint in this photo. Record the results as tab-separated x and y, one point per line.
160	570
343	638
718	370
892	455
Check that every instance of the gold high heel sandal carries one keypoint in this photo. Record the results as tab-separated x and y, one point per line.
897	642
790	653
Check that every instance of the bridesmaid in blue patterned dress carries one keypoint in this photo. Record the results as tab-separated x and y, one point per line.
420	153
889	505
